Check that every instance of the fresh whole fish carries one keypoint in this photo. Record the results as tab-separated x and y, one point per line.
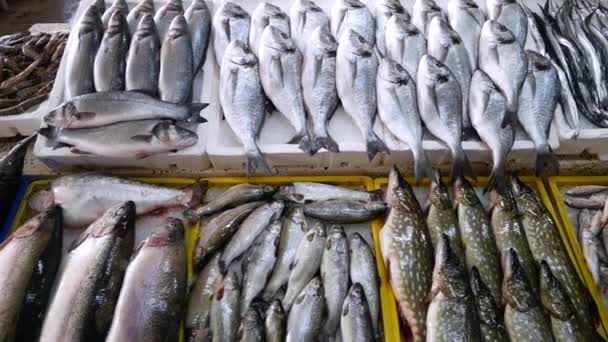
306	192
11	170
249	230
466	18
335	265
151	301
385	9
219	230
144	7
593	202
423	12
251	328
490	320
131	139
356	322
259	262
592	245
408	255
477	237
440	106
363	271
117	6
537	102
294	229
143	60
266	14
281	76
198	18
80	56
306	17
165	15
305	264
503	59
85	197
398	110
353	15
306	317
30	258
106	108
487	110
319	85
510	14
524	317
242	99
230	23
405	44
176	63
197	324
356	68
235	196
451	314
586	190
345	211
225	314
534	31
90	278
447	47
275	325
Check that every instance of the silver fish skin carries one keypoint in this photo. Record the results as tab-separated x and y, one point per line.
259	263
294	229
306	17
305	264
490	322
165	15
592	245
306	192
353	15
143	60
466	18
151	304
422	13
117	6
197	324
398	110
319	85
356	69
138	12
356	322
306	317
105	108
225	309
276	322
440	106
345	211
251	328
281	76
266	14
235	196
84	197
230	23
585	203
510	14
249	230
384	10
243	101
504	60
487	109
446	46
198	18
363	270
537	101
405	43
91	276
80	59
176	65
586	190
335	265
11	170
131	139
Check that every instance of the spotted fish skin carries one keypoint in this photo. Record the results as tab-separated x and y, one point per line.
408	255
490	322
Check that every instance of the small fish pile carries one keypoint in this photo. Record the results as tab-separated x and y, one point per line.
11	170
28	66
128	80
269	266
469	275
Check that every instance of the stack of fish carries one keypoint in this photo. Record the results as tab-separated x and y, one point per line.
28	65
457	73
504	276
588	212
267	271
128	79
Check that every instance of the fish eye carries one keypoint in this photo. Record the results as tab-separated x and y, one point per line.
283	35
399	68
361	39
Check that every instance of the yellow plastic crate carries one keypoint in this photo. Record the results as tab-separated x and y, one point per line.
533	182
555	183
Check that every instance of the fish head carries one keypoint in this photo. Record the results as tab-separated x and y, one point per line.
308	6
230	283
277	208
322	42
178	28
296	216
314	288
117	24
172	231
516	288
199	5
288	193
41	200
449	275
439	194
275	227
389	8
317	231
239	53
356	295
146	27
62	115
442	31
352	4
497	34
464	193
486	83
270	10
503	200
376	206
399	193
393	72
232	10
171	134
336	239
119	220
432	72
486	306
276	309
356	44
251	321
11	165
552	294
173	6
400	25
90	21
537	62
276	39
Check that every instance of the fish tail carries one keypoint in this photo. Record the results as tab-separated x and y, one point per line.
375	146
460	165
195	194
510	118
194	110
497	179
546	163
304	141
326	142
255	160
422	167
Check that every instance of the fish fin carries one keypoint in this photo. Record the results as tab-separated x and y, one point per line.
142	138
50	133
352	71
546	163
304	142
226	27
326	142
194	194
422	166
276	70
77	151
194	109
461	166
497	180
375	145
255	160
84	115
318	63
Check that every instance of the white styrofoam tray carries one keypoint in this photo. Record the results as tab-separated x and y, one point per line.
591	138
193	157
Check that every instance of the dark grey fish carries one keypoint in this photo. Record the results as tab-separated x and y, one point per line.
165	15
198	17
143	61
176	66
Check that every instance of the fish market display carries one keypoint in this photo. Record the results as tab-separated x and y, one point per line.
306	17
143	61
353	15
264	15
165	15
466	18
11	170
511	15
385	9
405	44
143	8
109	66
176	63
423	12
198	18
230	23
235	196
117	6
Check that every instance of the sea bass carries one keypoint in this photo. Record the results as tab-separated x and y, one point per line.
144	7
165	15
306	17
198	18
405	44
143	60
466	18
110	62
11	170
176	65
353	15
510	14
266	14
230	23
385	9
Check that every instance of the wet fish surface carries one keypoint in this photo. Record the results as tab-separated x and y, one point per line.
266	14
356	322
306	17
363	271
252	328
197	324
230	23
110	61
117	6
143	8
235	196
225	310
198	18
405	43
276	322
353	15
11	170
165	15
176	63
143	60
306	316
345	211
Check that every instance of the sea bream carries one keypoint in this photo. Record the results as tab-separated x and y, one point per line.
306	16
144	7
281	75
319	85
266	14
356	69
165	15
405	44
176	63
143	60
198	18
422	13
385	9
510	14
243	101
230	23
81	52
117	6
353	15
466	18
